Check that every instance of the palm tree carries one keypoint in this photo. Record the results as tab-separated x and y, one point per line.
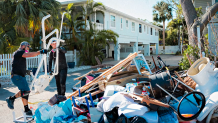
162	12
90	9
73	25
93	42
29	14
20	19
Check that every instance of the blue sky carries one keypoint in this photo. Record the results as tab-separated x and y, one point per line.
137	8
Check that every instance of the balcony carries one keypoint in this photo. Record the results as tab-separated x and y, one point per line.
97	26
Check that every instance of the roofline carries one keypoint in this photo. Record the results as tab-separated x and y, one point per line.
130	17
79	2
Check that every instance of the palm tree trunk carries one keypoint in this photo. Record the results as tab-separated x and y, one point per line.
164	37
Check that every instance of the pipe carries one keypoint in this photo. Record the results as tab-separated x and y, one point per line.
183	83
62	23
168	93
43	24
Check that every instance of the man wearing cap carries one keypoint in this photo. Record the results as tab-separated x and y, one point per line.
62	73
18	73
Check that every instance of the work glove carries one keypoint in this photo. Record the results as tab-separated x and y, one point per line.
43	51
51	73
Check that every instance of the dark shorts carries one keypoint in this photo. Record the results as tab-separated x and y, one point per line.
20	82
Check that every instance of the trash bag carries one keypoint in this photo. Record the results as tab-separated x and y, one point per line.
109	117
138	119
122	119
64	119
56	99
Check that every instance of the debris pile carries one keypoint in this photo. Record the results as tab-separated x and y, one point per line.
129	92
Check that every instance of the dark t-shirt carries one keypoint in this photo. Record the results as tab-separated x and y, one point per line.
19	63
62	59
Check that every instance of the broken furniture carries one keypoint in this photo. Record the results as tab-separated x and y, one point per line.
22	119
204	73
43	81
163	84
100	65
140	62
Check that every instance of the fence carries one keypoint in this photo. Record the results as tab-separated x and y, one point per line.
32	62
168	49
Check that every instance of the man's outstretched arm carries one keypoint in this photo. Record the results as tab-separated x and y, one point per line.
33	54
30	54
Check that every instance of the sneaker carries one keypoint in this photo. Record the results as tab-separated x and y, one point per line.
29	113
10	102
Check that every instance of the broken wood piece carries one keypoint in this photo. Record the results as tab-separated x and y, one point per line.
154	63
93	94
189	59
79	78
106	73
179	77
99	71
188	82
148	100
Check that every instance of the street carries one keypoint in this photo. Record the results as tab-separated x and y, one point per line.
9	90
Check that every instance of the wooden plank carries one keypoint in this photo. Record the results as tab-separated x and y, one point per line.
93	94
148	100
122	81
99	71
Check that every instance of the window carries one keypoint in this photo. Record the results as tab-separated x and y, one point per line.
112	21
147	29
140	28
151	31
127	24
144	28
156	32
121	23
133	26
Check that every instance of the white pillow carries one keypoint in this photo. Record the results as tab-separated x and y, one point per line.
116	100
211	103
131	110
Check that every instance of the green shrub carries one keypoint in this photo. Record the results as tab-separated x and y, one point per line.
193	53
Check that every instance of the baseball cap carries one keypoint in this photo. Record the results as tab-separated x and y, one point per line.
54	41
25	44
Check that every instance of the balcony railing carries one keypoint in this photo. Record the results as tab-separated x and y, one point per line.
97	26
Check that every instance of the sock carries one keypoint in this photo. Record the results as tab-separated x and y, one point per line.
13	97
26	108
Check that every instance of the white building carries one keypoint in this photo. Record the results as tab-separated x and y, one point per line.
134	34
